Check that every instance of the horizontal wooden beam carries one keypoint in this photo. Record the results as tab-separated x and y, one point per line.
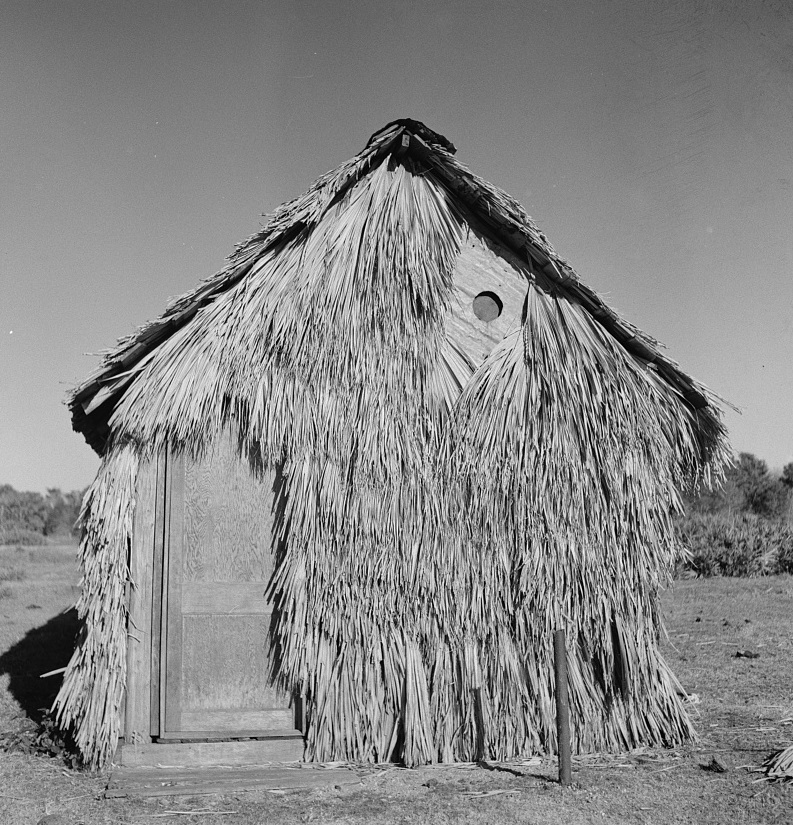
225	597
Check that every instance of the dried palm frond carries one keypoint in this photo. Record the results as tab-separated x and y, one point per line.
778	766
91	697
564	457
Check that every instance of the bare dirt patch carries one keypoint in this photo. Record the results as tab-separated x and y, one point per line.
742	701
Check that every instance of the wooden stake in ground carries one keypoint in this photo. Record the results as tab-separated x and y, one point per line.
562	708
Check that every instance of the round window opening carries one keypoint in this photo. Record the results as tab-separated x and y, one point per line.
487	306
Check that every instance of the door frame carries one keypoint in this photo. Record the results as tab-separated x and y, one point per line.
166	611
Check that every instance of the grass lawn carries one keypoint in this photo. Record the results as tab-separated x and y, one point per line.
742	702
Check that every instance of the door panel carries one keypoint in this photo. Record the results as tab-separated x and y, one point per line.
218	562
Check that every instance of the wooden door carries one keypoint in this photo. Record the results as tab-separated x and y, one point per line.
215	670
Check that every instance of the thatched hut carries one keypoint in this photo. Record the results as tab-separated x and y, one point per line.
352	483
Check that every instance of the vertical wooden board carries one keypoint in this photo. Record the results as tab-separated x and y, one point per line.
139	634
162	515
172	595
483	265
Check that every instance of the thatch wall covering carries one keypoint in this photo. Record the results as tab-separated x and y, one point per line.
91	698
439	519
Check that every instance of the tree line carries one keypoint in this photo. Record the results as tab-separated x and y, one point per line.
750	491
749	487
28	517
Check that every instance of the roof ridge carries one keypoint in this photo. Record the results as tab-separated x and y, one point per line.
419	129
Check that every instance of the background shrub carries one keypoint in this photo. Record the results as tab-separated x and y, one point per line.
743	544
742	528
784	561
21	536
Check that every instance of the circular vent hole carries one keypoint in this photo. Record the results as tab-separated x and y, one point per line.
487	306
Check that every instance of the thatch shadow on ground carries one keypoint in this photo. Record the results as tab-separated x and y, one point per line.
41	650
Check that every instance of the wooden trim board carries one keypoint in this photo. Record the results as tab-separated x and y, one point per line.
172	613
224	735
143	626
157	590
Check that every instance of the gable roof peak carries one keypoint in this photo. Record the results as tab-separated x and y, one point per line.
417	128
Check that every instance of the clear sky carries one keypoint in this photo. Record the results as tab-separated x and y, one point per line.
650	139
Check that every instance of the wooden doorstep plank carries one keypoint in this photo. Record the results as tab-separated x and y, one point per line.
144	776
184	754
195	781
216	784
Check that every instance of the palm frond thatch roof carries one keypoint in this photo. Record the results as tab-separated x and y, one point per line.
92	400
